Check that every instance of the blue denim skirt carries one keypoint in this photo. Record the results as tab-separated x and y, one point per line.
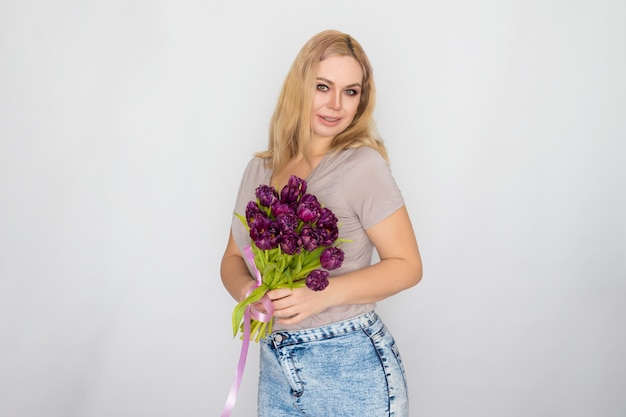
349	368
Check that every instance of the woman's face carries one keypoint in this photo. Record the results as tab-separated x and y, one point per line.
336	97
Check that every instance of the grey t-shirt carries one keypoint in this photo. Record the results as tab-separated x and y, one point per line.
358	186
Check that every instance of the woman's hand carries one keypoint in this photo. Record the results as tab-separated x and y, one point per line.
246	290
293	306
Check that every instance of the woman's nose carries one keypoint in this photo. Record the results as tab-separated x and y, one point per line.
334	101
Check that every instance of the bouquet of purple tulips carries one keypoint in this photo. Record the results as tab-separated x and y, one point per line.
294	243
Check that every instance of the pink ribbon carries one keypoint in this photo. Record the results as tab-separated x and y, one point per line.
248	313
267	303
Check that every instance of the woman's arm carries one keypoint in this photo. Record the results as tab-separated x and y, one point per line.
235	275
400	267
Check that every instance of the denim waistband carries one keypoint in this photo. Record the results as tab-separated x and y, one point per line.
364	322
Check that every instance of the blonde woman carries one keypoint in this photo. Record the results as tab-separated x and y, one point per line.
330	353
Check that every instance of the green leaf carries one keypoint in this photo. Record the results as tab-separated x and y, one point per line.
240	308
288	278
243	220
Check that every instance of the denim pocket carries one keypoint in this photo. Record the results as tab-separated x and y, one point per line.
389	355
396	353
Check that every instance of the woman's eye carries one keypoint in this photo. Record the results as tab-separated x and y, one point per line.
352	92
322	87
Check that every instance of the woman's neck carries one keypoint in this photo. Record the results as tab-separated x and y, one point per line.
304	163
301	165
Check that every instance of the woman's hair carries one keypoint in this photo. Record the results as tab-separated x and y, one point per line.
290	127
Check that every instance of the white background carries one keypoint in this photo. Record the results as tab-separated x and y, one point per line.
124	130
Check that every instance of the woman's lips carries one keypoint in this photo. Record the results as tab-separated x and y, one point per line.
329	121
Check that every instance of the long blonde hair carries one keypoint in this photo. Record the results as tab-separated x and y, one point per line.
290	127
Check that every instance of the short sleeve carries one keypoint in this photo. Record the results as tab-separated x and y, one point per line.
255	174
369	187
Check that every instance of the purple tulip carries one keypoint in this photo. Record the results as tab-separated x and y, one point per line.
287	222
266	195
327	218
309	208
331	258
310	238
264	233
290	243
253	211
299	183
279	208
291	192
327	235
317	280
